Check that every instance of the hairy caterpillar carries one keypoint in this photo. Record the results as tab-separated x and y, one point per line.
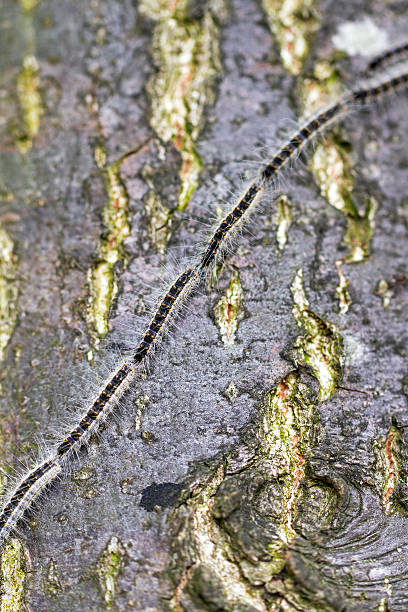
116	384
298	141
397	53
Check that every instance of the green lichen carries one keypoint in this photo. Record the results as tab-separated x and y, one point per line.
115	215
342	291
384	292
101	276
285	435
321	347
187	54
28	83
382	605
103	290
8	289
108	568
360	227
330	164
229	311
139	406
291	598
52	580
8	196
322	87
148	437
332	169
232	391
293	22
214	558
160	221
29	5
99	152
13	576
284	221
389	459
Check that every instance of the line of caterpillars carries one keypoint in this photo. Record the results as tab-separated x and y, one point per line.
36	481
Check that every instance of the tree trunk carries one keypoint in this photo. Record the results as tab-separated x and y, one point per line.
260	463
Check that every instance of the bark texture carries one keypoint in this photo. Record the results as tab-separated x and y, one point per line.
261	463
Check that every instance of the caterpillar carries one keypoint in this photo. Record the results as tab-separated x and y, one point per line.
397	53
26	493
166	311
114	387
295	144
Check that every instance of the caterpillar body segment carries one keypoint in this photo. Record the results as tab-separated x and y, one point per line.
229	223
397	53
26	493
166	311
100	408
305	133
378	89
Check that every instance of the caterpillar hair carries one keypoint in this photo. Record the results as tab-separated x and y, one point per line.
116	384
313	126
381	60
378	89
166	312
26	493
217	241
112	390
100	408
295	144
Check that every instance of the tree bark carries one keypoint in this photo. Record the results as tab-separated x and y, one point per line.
260	463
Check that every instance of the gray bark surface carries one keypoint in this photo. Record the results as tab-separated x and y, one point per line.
127	483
